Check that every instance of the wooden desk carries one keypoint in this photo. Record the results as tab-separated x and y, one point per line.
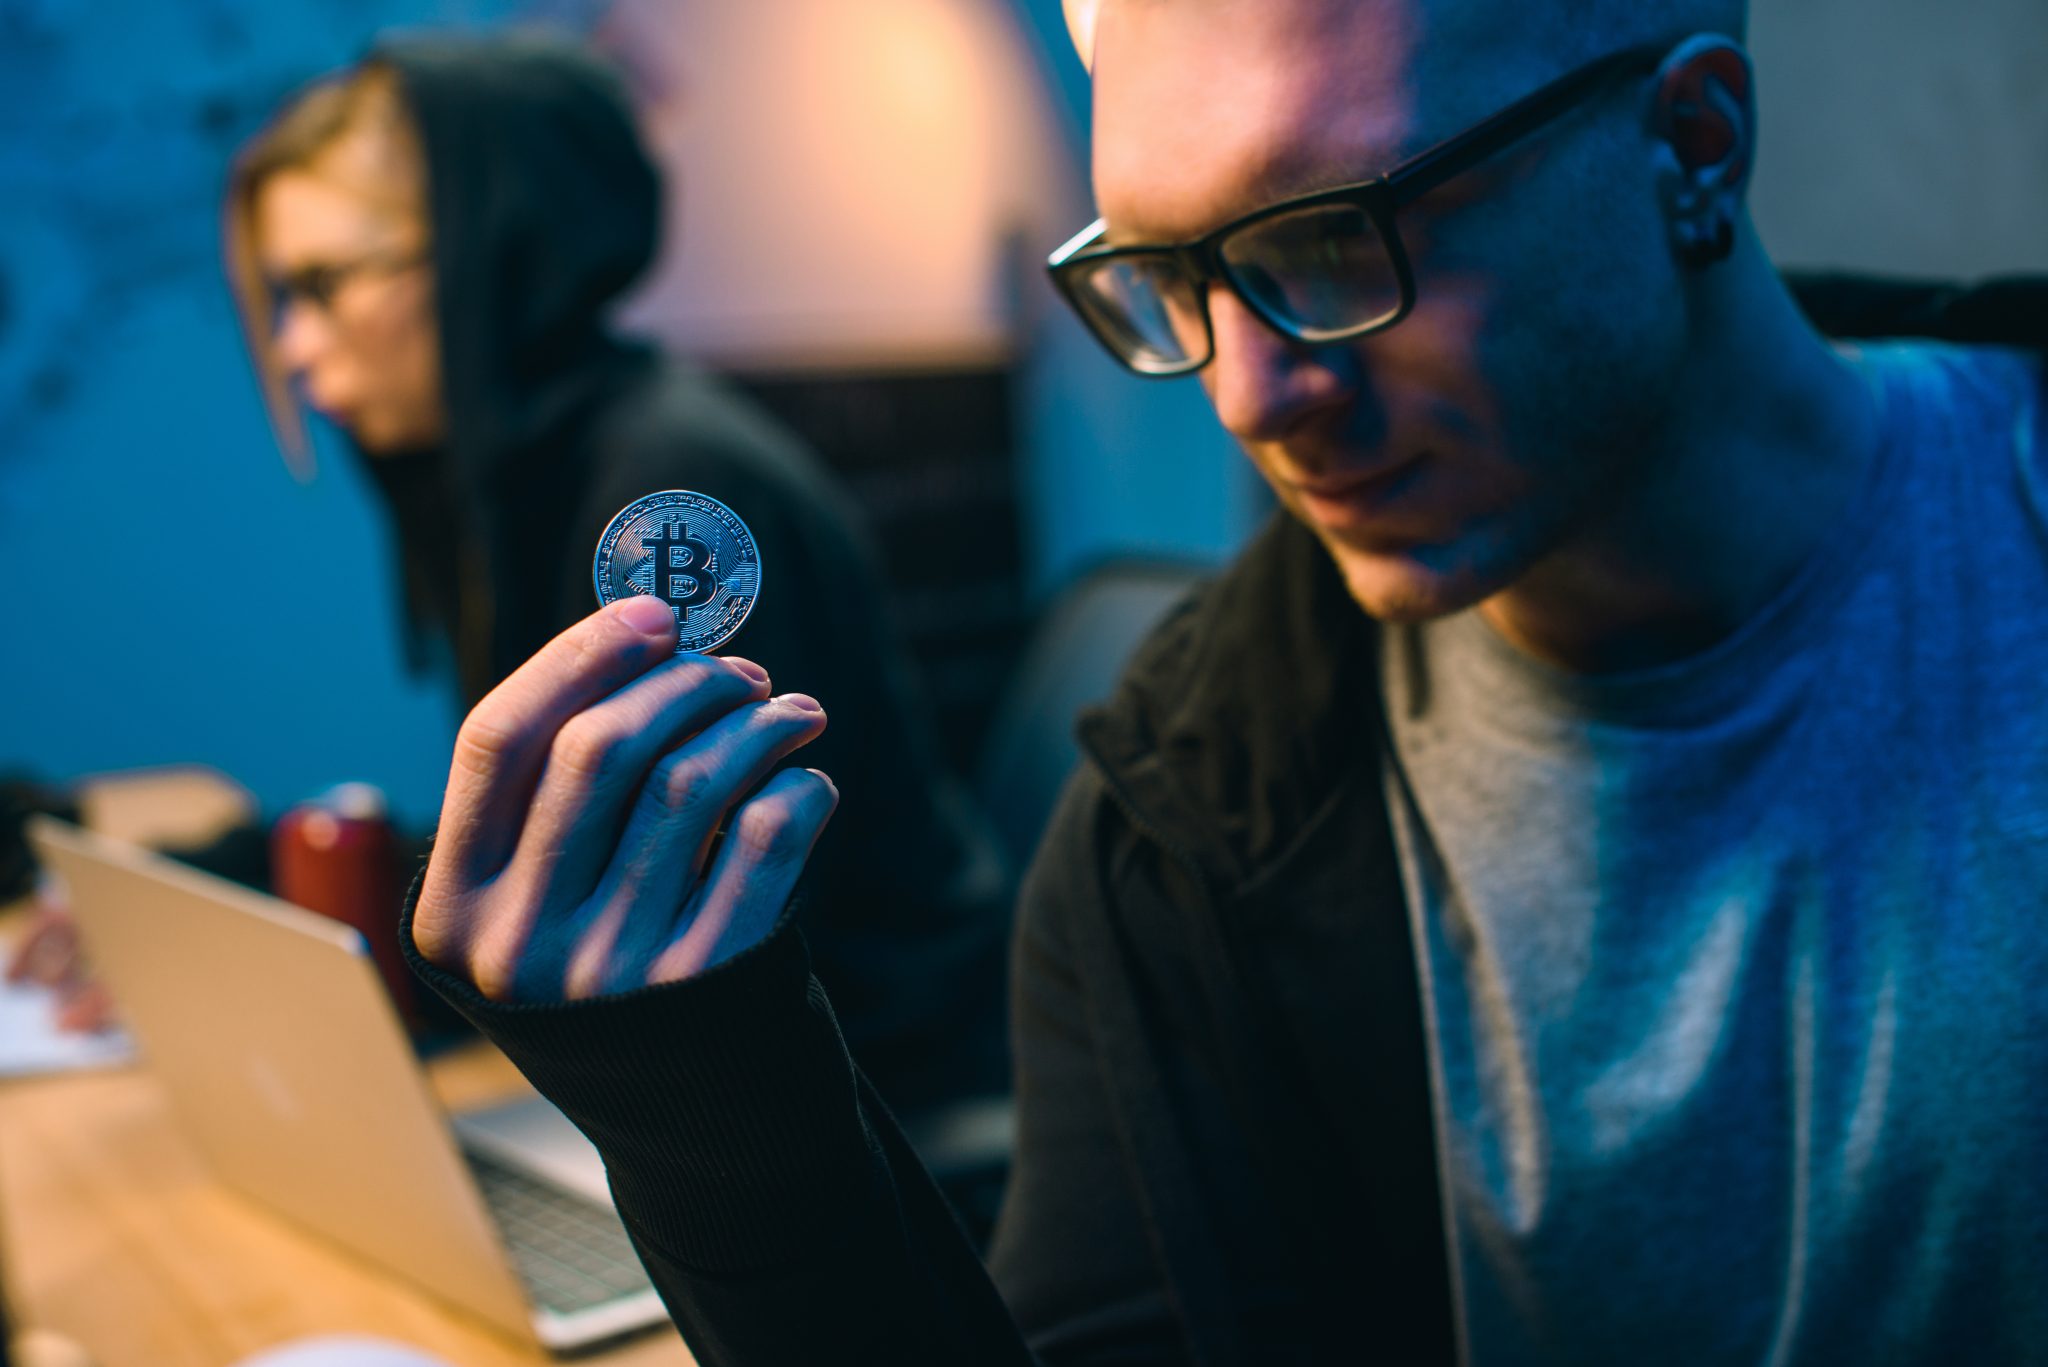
116	1236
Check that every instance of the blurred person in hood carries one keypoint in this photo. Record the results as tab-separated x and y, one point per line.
425	248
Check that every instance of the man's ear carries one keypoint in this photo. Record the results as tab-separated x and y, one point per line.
1704	117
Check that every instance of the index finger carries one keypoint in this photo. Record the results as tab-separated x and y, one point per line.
504	741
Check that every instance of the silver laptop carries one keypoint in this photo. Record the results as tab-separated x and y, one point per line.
286	1063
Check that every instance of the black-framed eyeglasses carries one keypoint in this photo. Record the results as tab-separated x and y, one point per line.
1322	267
319	284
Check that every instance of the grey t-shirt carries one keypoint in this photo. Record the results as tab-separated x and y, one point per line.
1737	970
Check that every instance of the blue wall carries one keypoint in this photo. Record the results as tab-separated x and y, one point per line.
170	592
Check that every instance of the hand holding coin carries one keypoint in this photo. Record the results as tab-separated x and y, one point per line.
577	852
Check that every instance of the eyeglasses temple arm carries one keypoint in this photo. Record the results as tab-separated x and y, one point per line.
1462	151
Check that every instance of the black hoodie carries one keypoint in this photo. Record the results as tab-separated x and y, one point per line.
543	209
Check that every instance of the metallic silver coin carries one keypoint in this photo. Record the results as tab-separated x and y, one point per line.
690	551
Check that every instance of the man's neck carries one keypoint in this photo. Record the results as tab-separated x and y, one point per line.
1768	441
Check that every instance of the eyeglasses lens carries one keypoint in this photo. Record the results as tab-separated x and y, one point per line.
314	286
1321	272
1149	309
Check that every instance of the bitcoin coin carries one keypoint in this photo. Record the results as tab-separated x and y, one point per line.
690	551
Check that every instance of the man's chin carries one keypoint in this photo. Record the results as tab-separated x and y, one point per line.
1403	587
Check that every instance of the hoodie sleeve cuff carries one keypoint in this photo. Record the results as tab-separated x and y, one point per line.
725	1105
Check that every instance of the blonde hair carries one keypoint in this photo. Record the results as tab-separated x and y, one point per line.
364	102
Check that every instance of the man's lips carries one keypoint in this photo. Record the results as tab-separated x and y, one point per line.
1353	502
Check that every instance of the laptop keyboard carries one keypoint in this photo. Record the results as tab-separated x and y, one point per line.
571	1252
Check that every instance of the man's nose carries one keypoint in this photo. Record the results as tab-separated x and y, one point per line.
1266	385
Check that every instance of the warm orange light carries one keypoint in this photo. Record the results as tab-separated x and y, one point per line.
854	180
1081	27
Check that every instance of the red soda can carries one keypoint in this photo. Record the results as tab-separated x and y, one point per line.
337	855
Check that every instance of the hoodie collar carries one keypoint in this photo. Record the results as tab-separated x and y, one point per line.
1246	711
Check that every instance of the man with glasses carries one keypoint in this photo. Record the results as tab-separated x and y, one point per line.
1569	892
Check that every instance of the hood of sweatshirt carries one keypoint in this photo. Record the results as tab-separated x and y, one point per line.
544	208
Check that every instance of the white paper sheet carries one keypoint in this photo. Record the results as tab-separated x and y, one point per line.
31	1043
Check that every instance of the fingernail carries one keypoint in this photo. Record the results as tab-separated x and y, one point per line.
748	668
803	701
649	616
827	777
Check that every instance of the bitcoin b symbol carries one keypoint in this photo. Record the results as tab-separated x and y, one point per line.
687	550
683	577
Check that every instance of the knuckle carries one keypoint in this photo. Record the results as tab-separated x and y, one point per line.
447	917
491	977
687	782
588	746
494	960
767	830
482	741
432	928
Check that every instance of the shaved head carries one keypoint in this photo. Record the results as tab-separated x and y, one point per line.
1575	30
1566	30
1442	61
